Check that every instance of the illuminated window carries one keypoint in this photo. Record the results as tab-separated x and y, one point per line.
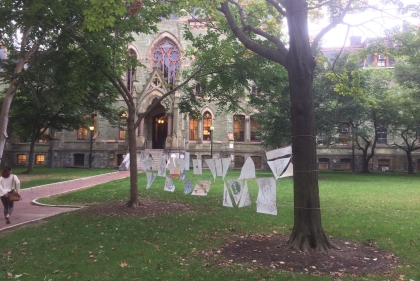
207	122
82	134
239	127
255	126
193	129
39	159
21	158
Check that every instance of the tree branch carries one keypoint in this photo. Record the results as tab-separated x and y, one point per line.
278	55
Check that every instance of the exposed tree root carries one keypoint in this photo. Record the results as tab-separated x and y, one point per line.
133	204
306	242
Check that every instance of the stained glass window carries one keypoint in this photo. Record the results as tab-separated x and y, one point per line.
166	56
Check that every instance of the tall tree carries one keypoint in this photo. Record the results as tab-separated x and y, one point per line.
255	24
28	38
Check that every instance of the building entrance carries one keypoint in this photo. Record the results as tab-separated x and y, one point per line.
160	129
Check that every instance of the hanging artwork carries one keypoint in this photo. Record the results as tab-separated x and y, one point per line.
235	187
266	201
162	166
219	167
225	166
187	161
188	187
201	188
211	165
180	163
125	164
169	185
150	178
175	173
197	167
227	202
248	170
288	172
245	200
146	164
278	166
277	153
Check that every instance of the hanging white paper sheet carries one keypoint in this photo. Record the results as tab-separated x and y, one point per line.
227	202
277	153
248	170
235	187
219	167
162	166
180	163
211	165
266	201
188	187
169	185
225	164
187	161
288	172
150	178
125	164
197	167
245	200
278	166
202	188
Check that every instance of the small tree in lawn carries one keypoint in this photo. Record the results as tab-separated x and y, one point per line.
58	94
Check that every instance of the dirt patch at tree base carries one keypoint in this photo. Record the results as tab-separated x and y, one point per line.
271	251
147	208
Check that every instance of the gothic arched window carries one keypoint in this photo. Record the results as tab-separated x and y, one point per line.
167	58
131	71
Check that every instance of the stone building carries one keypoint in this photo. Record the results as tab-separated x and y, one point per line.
167	131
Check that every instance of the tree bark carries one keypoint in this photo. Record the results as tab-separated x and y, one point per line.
30	168
307	230
409	161
134	191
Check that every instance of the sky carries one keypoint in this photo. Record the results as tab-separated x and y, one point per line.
370	24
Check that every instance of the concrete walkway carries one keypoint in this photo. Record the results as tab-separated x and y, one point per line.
27	210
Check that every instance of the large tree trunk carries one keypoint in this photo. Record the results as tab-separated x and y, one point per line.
30	168
13	87
365	162
409	161
307	230
134	192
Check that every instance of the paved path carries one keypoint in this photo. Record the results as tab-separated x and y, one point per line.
26	210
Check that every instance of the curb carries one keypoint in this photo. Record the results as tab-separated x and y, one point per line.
80	179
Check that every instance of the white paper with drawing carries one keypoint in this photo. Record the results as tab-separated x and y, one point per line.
288	172
227	202
202	188
248	170
188	187
278	166
197	167
219	167
150	178
277	153
180	163
266	201
245	200
169	185
235	187
162	166
225	164
211	165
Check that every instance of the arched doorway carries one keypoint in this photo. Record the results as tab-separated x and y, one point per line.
159	131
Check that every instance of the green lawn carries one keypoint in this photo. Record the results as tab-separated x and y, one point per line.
43	175
377	208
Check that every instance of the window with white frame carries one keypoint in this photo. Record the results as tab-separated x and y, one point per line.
382	134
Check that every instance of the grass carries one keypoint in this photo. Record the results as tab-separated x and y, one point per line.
379	208
43	175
